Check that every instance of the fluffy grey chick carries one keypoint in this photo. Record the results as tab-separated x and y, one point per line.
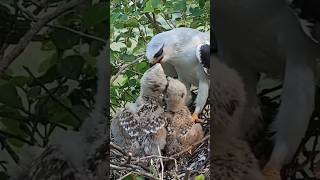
182	132
232	157
140	126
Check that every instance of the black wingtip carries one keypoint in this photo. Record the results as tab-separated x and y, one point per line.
205	55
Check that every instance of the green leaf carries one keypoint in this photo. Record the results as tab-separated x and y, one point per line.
200	177
41	109
140	178
59	114
143	66
50	76
95	15
65	118
11	113
71	66
180	5
47	46
132	23
34	92
47	63
196	12
13	127
155	3
148	7
9	95
202	3
19	81
63	39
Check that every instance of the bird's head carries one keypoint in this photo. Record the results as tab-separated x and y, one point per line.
155	53
153	81
175	94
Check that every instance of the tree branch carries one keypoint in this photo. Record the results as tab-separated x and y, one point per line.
124	67
154	23
78	32
35	28
52	96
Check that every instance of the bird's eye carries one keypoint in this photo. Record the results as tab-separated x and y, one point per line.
159	53
182	95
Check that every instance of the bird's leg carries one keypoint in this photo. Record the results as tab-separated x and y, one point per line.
195	117
272	172
201	99
297	103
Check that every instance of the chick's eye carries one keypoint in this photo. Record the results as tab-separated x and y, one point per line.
182	95
159	53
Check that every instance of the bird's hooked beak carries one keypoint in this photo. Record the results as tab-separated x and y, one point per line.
156	60
158	57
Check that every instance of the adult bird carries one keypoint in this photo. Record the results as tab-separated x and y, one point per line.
264	36
185	51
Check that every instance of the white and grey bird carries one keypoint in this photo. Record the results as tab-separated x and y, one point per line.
265	36
182	132
184	52
140	126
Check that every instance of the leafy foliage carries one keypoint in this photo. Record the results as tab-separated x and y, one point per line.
60	94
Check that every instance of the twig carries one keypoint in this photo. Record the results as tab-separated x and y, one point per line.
166	21
112	166
2	164
36	3
28	14
161	163
52	96
162	157
78	32
124	67
24	41
187	174
2	50
114	146
9	135
4	145
190	147
153	22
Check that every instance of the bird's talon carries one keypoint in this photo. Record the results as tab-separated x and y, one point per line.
196	119
271	174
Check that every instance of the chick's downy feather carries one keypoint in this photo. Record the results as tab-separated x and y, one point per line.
140	126
182	132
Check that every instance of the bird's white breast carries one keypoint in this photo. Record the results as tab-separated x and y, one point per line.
185	61
189	68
